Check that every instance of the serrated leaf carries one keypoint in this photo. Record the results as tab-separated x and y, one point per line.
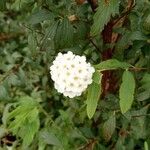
5	114
145	95
112	64
3	93
24	119
109	127
139	124
22	5
94	92
145	82
29	130
137	35
81	31
49	35
21	75
40	16
64	35
126	92
144	90
50	138
13	80
32	42
103	15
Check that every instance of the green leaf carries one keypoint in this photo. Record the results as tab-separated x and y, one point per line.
29	130
40	16
5	114
3	93
145	95
144	90
146	24
103	15
25	5
145	82
64	35
96	77
32	42
146	146
109	127
24	119
2	5
112	64
120	144
139	125
13	80
41	145
126	92
50	138
49	35
94	92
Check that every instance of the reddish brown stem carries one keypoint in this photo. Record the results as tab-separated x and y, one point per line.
93	4
110	80
107	54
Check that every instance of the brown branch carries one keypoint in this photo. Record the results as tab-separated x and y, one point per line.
90	145
93	4
8	36
110	79
138	69
144	115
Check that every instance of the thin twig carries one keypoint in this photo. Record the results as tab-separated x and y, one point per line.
143	115
94	45
138	69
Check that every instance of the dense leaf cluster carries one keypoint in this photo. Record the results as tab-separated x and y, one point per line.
113	113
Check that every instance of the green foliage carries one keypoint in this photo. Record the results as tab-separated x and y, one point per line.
24	120
144	90
39	16
112	64
50	138
109	127
94	92
2	5
103	15
113	113
145	146
126	92
146	24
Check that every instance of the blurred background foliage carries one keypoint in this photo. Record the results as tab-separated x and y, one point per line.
33	115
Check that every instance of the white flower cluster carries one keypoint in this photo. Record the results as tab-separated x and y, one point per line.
71	74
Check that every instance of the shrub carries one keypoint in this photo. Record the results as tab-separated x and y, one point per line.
113	112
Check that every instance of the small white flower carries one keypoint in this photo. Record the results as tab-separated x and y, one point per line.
71	74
